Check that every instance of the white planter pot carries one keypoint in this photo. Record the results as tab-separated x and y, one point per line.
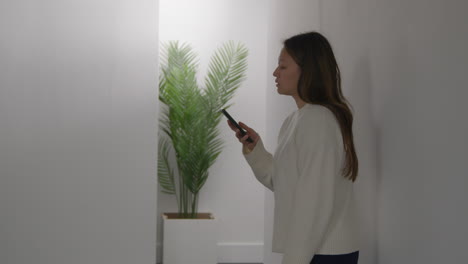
189	241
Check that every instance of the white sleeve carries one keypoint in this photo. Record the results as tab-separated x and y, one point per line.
319	152
261	162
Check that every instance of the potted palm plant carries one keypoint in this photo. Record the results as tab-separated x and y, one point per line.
190	138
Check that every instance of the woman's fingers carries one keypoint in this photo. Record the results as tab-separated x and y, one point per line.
243	138
231	125
235	129
247	128
252	133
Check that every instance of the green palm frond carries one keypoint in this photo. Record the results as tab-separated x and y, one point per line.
165	173
226	72
190	115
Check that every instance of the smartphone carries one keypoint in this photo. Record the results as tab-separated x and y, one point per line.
242	131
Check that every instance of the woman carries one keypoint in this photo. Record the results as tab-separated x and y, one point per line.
314	166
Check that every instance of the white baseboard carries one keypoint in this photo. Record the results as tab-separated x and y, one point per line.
248	252
230	252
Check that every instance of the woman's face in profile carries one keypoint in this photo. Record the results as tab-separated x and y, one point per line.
287	74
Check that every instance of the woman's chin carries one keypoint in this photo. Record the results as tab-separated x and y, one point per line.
282	92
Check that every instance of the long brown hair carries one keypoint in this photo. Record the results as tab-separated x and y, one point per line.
320	83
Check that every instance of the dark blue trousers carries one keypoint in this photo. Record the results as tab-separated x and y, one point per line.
351	258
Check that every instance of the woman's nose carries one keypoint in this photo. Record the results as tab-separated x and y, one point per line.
275	72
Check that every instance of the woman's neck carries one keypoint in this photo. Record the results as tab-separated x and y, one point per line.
299	102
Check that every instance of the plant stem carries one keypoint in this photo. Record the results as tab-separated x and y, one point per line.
194	205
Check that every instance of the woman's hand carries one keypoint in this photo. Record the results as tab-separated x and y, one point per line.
248	146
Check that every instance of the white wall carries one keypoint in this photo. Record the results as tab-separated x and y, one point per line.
419	58
78	108
231	191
